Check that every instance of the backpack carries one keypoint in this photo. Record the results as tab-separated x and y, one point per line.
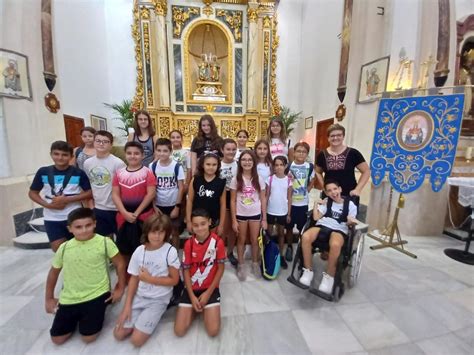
177	289
78	151
67	177
176	168
270	266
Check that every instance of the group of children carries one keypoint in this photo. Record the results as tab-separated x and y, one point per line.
224	193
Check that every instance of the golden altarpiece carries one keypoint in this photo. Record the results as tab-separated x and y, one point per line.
216	57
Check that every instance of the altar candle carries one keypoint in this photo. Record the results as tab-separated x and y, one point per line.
468	153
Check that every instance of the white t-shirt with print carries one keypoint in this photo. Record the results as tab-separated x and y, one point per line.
167	183
300	183
278	199
278	147
228	171
263	171
100	172
248	200
336	212
157	263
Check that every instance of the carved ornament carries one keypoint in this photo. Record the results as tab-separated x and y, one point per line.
233	19
181	16
274	102
161	7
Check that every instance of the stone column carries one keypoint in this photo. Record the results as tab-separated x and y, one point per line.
162	55
252	58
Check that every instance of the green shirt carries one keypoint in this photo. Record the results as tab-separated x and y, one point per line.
85	268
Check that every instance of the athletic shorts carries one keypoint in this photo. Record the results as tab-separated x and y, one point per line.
175	222
214	300
146	313
88	315
280	220
257	217
128	237
324	234
57	230
106	222
299	216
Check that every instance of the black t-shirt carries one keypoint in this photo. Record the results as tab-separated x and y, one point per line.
206	145
207	195
341	167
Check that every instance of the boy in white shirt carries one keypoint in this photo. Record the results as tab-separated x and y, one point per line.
169	186
332	223
100	170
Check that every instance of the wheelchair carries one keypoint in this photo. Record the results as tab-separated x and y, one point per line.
348	264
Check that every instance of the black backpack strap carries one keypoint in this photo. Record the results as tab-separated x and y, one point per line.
176	171
78	151
310	172
345	210
153	167
328	208
67	177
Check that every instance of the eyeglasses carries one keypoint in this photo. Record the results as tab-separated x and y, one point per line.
98	141
300	151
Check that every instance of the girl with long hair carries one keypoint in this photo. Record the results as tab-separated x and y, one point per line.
145	135
207	141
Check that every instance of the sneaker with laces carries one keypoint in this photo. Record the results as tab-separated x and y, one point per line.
307	277
326	284
241	274
289	253
233	260
283	263
256	270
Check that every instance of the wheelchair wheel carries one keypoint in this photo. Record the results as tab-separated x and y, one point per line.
356	260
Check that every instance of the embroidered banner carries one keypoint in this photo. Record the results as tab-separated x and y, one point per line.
416	137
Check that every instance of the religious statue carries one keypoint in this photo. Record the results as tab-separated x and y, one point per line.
466	77
209	69
414	135
372	82
12	76
203	71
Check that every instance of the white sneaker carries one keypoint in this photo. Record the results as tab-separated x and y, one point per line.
326	283
307	277
241	274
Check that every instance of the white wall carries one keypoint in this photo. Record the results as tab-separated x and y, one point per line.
96	60
464	8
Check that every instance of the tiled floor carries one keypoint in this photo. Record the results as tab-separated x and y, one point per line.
400	306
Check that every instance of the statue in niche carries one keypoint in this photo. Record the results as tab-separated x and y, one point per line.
12	76
209	69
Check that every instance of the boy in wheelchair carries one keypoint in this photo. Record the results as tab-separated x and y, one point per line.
332	220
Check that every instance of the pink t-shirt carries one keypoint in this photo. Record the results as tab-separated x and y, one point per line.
248	200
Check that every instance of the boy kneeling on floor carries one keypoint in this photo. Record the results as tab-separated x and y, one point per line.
332	221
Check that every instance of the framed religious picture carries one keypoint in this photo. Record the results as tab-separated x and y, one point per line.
308	122
99	123
373	80
415	130
15	75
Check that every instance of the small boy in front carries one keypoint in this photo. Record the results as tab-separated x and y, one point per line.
86	290
302	174
332	223
101	170
169	185
203	264
62	189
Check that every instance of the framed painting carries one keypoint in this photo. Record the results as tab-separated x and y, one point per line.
99	123
308	122
373	80
15	75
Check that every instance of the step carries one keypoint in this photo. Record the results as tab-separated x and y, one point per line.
32	240
37	224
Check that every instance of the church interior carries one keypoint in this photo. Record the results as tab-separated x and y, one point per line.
398	75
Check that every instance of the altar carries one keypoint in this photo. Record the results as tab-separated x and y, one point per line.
216	57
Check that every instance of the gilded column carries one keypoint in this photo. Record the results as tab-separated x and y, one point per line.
253	62
162	55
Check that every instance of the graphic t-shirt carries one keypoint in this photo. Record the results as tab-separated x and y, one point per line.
336	212
101	172
228	171
85	268
183	157
148	149
207	195
248	200
278	147
77	183
133	188
263	171
278	199
301	180
341	167
204	146
156	262
202	258
167	183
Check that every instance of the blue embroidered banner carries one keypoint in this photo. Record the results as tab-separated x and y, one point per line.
415	137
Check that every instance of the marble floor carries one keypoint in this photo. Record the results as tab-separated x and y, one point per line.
400	306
